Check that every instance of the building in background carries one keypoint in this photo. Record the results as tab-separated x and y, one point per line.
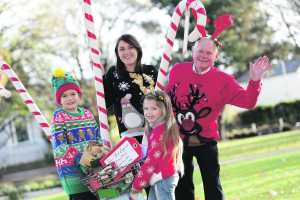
21	141
282	84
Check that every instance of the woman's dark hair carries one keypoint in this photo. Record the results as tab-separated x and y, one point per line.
130	39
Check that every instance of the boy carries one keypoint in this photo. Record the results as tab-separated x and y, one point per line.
72	127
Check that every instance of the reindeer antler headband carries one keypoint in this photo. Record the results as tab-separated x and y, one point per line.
221	23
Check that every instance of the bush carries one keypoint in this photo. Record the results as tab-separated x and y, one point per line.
288	111
11	191
260	130
16	192
240	133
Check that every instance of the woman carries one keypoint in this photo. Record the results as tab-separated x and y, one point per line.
126	83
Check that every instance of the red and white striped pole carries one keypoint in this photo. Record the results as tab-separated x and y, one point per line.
27	99
200	15
98	70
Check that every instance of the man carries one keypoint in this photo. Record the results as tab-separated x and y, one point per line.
199	91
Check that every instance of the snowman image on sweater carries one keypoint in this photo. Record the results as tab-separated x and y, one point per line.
132	119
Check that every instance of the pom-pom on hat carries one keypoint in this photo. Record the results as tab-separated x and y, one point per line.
61	82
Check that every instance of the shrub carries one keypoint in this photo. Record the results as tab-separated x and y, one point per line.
288	111
16	192
11	191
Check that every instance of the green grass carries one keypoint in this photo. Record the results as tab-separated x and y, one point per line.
60	196
277	177
266	167
258	145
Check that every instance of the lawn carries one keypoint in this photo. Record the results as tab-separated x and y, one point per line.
60	196
265	167
259	146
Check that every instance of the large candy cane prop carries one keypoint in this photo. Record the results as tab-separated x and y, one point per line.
27	99
200	14
98	70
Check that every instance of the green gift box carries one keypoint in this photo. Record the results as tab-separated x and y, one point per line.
108	193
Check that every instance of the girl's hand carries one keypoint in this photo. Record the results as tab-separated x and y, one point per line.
259	67
133	195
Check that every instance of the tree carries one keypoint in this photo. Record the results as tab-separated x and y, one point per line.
45	34
249	38
26	46
288	13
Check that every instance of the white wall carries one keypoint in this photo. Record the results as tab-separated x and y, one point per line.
275	90
280	89
34	149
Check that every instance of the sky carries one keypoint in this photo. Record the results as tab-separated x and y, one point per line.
275	21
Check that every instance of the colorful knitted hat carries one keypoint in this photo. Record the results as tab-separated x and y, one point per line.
61	82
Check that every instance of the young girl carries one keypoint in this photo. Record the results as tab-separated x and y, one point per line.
72	127
164	158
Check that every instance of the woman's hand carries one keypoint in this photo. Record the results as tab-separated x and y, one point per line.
259	67
126	99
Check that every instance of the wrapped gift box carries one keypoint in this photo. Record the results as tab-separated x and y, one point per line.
112	175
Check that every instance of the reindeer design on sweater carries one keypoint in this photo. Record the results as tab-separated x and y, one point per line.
186	114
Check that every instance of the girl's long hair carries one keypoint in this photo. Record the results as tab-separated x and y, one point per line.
130	39
171	130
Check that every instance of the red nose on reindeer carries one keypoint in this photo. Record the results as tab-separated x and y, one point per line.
222	23
188	124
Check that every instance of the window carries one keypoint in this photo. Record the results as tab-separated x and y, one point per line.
21	129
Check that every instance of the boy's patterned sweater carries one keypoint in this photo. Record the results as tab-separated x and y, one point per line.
71	133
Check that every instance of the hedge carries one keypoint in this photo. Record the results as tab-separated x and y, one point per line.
288	111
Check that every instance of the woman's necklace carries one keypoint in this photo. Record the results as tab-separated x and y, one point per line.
139	80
